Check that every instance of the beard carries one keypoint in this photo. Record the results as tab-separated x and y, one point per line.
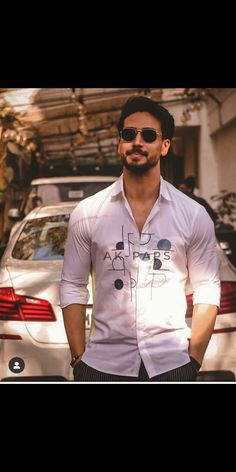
137	168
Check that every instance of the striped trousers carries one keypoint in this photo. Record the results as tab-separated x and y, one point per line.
185	373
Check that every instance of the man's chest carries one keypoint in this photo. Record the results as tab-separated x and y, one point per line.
140	213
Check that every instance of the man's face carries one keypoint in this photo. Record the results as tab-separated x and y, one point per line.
138	156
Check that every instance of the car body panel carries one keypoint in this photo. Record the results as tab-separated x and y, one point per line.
71	179
42	345
52	190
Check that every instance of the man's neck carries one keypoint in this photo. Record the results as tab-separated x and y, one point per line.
142	187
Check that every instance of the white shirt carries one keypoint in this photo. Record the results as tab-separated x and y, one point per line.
140	303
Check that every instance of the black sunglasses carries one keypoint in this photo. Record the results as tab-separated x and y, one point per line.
149	135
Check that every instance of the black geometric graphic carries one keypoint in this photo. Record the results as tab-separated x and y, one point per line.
164	245
119	284
157	264
120	245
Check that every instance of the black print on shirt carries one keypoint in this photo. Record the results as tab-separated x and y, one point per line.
119	284
120	244
164	245
157	264
158	255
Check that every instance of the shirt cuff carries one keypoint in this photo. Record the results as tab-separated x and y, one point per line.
209	295
70	294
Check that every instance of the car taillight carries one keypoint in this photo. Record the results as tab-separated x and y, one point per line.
15	307
227	303
228	297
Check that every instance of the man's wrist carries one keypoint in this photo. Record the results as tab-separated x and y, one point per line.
75	360
196	364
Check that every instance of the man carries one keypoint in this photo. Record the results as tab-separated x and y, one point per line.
143	239
192	183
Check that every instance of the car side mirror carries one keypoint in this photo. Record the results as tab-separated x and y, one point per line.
14	214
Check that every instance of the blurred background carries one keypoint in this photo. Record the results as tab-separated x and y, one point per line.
72	131
60	145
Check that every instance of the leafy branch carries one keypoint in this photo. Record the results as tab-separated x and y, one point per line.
224	204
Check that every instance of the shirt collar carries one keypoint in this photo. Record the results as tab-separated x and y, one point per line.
165	190
118	189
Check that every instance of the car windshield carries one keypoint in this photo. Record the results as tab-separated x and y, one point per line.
64	192
42	239
50	194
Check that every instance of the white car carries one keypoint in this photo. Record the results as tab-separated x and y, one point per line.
33	342
32	333
52	190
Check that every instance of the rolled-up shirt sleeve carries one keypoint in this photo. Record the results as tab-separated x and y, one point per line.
203	262
77	261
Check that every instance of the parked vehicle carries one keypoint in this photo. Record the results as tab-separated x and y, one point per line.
33	343
31	322
52	190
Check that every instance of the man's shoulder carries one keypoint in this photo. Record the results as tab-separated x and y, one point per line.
187	209
91	205
179	197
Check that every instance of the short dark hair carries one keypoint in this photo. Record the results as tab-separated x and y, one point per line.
140	103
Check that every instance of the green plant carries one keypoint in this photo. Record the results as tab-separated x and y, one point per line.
224	204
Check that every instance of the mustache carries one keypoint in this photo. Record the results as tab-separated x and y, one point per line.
136	150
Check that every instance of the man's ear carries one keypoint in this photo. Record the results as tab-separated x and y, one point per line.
165	147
